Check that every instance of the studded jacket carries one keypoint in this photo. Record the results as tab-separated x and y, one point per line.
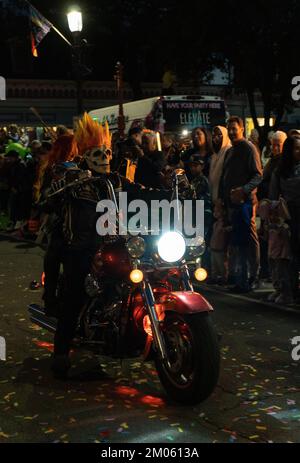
75	203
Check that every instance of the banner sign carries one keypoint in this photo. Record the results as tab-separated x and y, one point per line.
186	115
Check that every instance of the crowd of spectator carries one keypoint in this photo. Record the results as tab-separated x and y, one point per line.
251	195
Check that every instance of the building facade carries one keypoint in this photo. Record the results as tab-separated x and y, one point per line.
56	101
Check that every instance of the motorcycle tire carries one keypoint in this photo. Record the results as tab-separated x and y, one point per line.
194	354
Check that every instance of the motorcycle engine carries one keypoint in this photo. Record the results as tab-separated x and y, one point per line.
102	319
92	286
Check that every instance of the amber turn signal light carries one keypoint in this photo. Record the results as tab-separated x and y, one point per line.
136	276
200	274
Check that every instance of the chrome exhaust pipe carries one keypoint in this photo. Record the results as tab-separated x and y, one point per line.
38	317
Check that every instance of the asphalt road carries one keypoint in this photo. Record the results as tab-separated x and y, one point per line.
257	398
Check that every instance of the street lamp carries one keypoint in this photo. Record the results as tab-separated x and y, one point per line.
75	25
75	20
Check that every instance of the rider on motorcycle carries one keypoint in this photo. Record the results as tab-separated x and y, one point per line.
77	203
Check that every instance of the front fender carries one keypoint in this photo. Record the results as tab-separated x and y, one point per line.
184	302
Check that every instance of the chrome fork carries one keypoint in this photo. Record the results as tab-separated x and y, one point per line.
156	331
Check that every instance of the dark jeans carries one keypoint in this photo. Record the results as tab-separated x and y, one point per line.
264	260
52	261
76	266
247	250
242	268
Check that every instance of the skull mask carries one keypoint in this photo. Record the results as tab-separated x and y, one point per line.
98	159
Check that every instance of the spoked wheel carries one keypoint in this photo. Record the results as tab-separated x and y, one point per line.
194	357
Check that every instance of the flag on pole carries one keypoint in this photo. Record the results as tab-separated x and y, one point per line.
40	26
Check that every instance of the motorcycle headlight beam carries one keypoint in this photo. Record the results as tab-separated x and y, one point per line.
171	247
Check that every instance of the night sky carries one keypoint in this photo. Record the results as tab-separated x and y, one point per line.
257	40
115	30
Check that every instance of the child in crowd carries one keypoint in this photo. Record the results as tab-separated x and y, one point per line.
275	214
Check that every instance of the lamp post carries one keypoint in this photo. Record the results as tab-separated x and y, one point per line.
120	92
75	25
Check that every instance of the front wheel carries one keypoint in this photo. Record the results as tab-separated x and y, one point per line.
194	357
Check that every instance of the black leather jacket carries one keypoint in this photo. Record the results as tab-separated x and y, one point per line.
76	207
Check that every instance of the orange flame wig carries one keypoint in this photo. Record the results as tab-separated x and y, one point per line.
90	134
64	149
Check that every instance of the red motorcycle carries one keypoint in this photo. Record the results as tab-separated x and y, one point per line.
141	302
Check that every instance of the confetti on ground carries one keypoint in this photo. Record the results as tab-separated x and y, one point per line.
8	396
170	438
49	431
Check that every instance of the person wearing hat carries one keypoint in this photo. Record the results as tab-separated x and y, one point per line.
20	149
199	181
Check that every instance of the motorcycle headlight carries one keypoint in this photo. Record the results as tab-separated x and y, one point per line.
171	247
136	247
196	247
